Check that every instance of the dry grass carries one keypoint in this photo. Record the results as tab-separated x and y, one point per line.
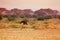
48	24
12	30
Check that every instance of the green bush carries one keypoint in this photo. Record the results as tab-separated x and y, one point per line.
40	18
48	17
11	18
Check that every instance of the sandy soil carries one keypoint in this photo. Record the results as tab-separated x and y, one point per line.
29	34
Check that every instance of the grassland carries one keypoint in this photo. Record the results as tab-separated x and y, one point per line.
34	30
32	23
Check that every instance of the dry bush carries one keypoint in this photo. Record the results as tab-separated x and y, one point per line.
2	25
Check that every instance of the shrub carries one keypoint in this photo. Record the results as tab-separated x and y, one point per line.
5	16
11	18
47	17
44	17
13	26
40	18
33	27
0	17
58	16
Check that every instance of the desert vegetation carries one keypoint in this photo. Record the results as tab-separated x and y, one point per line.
18	24
27	18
